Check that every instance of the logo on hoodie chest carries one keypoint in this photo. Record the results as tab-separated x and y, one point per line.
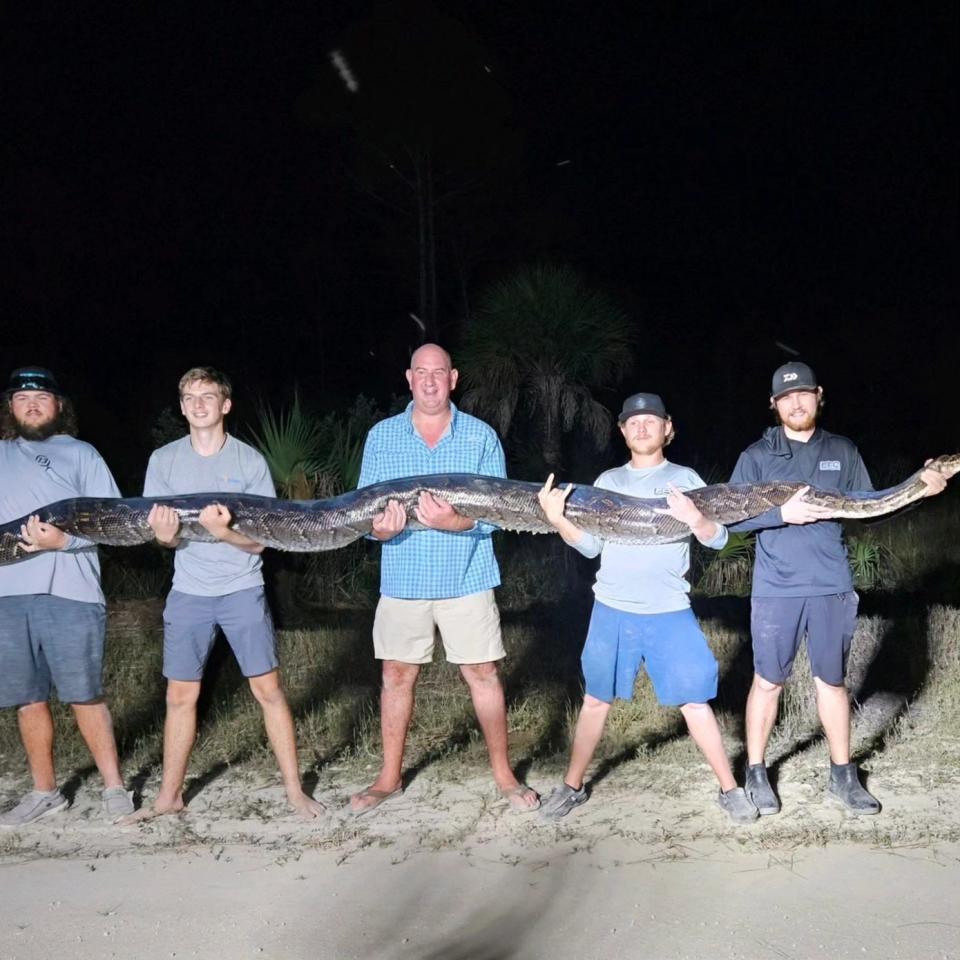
831	465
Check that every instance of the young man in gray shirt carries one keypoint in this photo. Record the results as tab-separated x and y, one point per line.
52	611
215	584
642	615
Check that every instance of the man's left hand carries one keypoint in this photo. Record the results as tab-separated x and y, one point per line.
35	536
436	513
215	519
936	482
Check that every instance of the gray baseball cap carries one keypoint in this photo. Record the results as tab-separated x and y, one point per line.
648	403
792	376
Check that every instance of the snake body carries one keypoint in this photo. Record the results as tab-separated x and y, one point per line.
314	525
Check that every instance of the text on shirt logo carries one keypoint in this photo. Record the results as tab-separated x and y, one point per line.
829	464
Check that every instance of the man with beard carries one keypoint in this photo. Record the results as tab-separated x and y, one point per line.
802	584
441	578
52	611
641	615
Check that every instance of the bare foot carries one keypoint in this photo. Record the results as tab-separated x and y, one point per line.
521	798
149	813
306	807
374	795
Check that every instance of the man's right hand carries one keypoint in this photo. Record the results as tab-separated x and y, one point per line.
388	524
796	510
165	523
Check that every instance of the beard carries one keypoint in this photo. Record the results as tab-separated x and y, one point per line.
801	424
646	446
42	431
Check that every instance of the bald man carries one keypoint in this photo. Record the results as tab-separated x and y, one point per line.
440	578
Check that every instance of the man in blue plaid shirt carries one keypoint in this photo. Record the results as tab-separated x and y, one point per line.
439	578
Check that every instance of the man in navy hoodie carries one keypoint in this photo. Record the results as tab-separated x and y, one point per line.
802	584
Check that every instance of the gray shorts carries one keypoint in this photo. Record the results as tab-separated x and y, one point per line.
190	629
46	642
778	624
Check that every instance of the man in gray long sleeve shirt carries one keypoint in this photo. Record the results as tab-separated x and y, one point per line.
642	614
52	613
802	583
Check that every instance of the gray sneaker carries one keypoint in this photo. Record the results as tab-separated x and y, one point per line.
117	803
561	801
758	789
33	806
737	805
845	787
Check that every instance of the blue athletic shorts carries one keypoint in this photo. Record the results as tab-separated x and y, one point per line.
778	624
190	628
671	646
47	642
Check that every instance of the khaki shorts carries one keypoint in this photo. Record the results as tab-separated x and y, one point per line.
469	626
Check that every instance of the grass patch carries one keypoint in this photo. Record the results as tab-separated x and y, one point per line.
904	673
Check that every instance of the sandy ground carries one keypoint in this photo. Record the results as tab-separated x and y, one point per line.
447	871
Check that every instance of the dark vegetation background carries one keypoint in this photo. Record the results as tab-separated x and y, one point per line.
196	183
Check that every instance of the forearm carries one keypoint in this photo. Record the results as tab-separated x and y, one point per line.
240	541
569	531
710	533
706	531
764	521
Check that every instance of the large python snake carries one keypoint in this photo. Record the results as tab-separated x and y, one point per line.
312	525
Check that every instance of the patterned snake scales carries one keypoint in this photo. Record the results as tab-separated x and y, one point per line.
311	525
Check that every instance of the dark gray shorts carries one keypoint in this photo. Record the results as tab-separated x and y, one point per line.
778	624
46	642
190	629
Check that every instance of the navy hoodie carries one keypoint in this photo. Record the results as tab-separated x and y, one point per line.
800	560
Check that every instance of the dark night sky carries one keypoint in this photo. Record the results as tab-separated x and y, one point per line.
187	184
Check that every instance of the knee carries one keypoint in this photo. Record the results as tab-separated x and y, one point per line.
592	704
32	709
766	686
695	710
180	695
480	674
829	689
399	676
267	690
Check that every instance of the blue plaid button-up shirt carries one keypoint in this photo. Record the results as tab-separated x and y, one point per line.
434	564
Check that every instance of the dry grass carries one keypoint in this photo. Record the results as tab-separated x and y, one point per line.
910	658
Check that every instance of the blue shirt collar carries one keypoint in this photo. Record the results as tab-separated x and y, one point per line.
408	414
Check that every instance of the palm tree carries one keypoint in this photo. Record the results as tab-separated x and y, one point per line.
540	342
292	442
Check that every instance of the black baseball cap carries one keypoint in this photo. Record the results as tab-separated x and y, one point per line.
33	378
643	403
792	376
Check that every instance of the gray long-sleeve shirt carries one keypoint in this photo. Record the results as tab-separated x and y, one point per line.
800	560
